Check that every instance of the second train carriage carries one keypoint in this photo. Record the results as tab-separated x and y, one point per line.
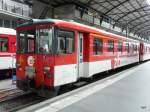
51	53
7	50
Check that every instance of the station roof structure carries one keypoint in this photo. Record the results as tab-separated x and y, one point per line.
132	13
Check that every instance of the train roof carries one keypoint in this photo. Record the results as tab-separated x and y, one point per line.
7	31
75	25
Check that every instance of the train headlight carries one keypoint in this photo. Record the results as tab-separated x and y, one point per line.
46	71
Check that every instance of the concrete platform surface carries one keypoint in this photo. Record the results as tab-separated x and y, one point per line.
128	91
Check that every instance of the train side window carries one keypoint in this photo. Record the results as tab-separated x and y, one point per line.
132	49
97	46
65	42
110	46
3	44
127	47
145	49
120	46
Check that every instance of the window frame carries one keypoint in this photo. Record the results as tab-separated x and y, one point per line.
38	40
109	49
25	39
101	45
5	38
28	51
65	41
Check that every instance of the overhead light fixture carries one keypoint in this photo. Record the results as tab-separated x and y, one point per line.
148	1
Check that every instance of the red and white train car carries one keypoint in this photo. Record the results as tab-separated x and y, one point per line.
51	53
7	49
144	51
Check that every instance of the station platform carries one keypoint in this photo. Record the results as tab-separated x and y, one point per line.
127	91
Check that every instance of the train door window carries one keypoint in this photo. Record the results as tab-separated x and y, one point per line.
3	44
31	46
97	46
81	46
120	46
65	42
110	46
30	36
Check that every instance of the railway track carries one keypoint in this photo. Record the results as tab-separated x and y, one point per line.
19	101
7	93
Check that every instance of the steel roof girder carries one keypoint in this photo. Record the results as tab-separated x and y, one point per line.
116	6
131	12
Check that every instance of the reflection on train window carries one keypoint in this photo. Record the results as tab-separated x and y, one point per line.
110	46
97	46
65	42
120	46
3	44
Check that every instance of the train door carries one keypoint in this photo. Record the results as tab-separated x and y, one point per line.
141	52
80	54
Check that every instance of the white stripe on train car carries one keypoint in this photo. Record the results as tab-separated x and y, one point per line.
64	74
7	31
128	60
91	68
146	57
7	62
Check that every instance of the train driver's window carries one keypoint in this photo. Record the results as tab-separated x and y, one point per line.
3	44
110	46
65	42
97	46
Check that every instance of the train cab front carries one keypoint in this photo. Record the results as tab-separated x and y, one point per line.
35	59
